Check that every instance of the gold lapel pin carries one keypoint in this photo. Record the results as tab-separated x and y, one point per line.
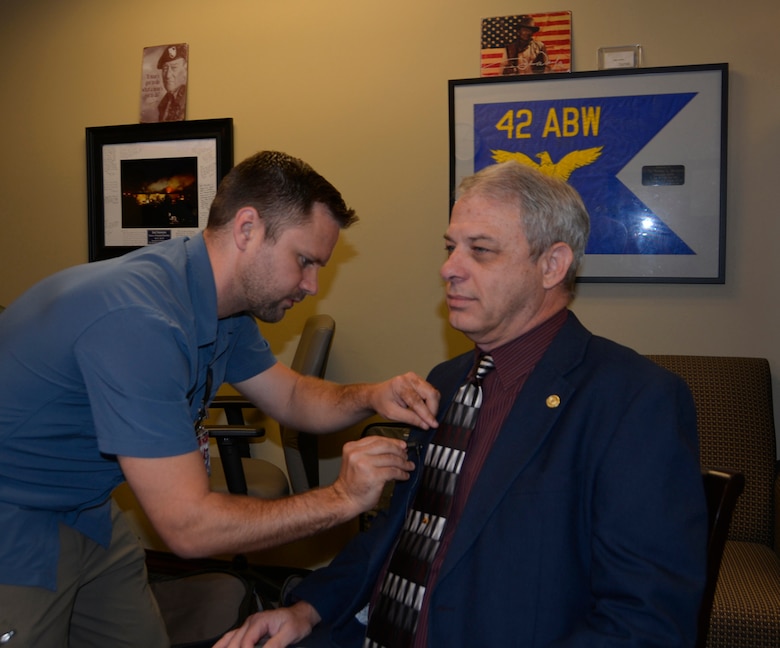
553	400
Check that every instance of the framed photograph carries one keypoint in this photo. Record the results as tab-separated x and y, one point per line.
625	56
645	148
536	43
164	72
152	182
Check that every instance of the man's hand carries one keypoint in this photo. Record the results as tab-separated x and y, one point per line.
283	627
407	398
367	464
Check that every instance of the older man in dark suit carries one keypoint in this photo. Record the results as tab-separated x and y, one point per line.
576	515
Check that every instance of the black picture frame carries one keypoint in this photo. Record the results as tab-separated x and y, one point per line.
149	182
656	188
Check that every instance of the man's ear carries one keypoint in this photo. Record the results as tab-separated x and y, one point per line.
247	225
556	261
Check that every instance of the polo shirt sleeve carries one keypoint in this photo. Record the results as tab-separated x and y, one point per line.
136	364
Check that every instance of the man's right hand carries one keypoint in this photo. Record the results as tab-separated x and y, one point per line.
282	627
367	465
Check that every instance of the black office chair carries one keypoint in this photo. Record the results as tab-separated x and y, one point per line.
236	471
199	606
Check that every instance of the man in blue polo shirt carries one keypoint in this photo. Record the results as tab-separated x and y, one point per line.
103	371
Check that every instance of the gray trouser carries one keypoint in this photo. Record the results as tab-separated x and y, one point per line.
103	598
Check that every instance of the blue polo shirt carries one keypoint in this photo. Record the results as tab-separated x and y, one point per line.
99	360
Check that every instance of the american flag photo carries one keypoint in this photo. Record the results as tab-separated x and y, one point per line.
526	44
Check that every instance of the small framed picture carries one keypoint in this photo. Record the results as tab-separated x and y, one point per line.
526	44
623	56
164	83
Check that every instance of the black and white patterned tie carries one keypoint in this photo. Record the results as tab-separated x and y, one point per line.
393	620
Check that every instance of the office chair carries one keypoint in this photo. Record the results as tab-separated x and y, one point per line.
722	488
736	424
236	471
300	448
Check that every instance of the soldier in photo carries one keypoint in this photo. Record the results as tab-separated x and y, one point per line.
173	65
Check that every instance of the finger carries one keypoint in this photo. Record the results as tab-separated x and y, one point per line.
427	392
416	412
249	633
422	399
375	454
376	444
426	418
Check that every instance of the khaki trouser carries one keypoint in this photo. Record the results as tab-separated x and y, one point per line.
103	598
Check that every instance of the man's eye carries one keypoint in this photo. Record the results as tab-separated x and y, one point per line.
449	249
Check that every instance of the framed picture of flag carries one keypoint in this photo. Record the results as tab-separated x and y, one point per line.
535	43
644	147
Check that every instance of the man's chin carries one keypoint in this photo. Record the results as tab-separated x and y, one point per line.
269	316
274	312
459	321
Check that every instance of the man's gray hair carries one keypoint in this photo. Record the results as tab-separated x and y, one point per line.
550	210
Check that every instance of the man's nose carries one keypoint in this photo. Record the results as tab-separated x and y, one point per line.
451	266
310	282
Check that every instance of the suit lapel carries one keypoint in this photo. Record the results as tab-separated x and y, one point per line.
533	416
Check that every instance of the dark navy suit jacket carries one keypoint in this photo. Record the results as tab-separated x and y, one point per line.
587	524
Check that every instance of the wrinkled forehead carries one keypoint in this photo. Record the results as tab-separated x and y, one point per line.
476	215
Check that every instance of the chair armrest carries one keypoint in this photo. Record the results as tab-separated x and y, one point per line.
232	439
234	431
234	407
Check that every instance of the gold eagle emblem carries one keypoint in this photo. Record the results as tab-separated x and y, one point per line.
561	169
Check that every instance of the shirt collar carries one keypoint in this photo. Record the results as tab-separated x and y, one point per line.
515	359
203	289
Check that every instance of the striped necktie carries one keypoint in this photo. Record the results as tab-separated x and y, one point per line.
393	619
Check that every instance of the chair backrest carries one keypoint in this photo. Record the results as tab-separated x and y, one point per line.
733	398
722	488
311	357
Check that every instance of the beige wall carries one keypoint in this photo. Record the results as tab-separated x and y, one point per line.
359	89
